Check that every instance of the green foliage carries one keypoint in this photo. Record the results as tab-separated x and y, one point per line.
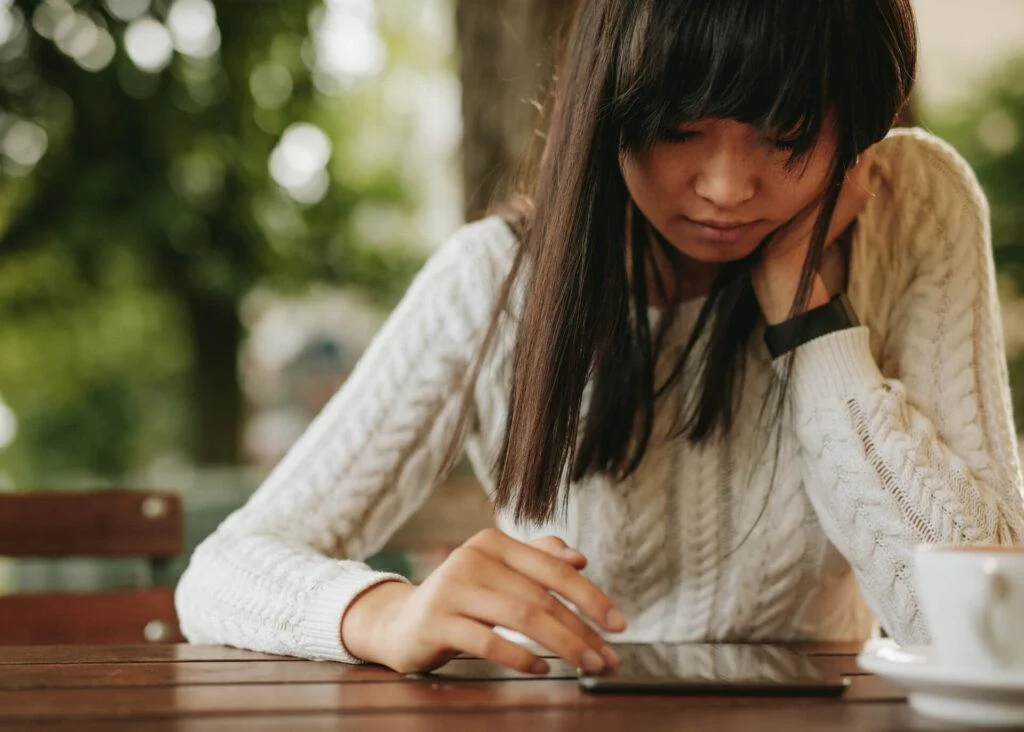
153	204
95	377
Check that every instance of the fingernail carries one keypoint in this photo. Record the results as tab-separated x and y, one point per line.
616	620
540	666
610	656
569	554
592	663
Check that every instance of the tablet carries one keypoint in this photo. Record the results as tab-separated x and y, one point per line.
714	668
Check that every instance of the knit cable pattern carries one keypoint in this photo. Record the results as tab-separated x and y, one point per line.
895	433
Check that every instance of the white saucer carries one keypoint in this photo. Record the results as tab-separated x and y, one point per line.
952	694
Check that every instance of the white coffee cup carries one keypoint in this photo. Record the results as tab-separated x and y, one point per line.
972	599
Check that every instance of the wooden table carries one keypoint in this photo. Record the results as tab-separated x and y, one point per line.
184	687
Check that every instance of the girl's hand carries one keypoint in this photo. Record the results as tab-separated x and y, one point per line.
490	580
777	276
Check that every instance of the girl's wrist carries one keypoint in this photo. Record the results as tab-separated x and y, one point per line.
835	315
361	624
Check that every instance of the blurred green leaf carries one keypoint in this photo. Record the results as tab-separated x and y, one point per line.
152	213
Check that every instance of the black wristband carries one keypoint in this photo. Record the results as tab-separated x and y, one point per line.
836	314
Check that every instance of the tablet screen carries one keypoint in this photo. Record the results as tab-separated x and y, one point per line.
713	667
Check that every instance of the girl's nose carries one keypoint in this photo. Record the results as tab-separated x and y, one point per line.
727	179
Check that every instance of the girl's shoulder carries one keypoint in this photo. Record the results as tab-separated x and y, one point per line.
927	211
919	168
489	243
475	259
924	192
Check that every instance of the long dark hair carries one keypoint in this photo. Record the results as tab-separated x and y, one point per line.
633	70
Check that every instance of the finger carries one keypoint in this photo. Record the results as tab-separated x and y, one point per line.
513	584
534	620
476	639
591	637
557	576
553	545
557	548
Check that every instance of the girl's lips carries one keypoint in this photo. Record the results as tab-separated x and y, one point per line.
718	231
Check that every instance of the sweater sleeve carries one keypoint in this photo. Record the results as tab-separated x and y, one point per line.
279	573
929	455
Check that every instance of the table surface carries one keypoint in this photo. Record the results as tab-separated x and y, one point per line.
185	687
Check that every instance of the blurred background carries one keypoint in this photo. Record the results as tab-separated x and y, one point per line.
208	207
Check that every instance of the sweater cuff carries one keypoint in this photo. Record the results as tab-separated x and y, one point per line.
838	364
320	629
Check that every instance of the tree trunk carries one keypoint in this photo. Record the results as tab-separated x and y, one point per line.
216	338
506	66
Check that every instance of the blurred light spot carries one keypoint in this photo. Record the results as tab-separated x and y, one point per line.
48	15
16	48
100	55
11	21
298	162
313	190
25	143
193	27
271	85
347	42
364	10
75	35
281	221
204	80
127	10
198	176
269	121
380	224
8	425
435	24
69	25
148	44
327	85
998	132
439	113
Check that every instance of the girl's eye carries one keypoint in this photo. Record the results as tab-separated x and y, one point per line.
787	145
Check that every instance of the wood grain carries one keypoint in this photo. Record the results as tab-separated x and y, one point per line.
188	673
199	688
119	616
370	697
107	523
874	717
173	653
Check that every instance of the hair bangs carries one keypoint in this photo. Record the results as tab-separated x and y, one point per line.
683	61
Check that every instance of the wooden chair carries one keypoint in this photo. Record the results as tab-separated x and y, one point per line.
107	524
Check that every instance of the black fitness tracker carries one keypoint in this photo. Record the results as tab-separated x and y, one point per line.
836	314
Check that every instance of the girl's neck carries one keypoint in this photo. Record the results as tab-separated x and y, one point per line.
681	277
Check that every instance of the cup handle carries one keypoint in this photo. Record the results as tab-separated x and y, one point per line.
996	591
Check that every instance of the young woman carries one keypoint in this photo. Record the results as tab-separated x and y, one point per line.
737	356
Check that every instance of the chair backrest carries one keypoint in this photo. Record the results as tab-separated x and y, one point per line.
104	524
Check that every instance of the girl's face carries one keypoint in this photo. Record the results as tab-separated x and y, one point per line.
714	191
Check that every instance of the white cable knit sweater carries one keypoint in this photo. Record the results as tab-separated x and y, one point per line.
898	432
